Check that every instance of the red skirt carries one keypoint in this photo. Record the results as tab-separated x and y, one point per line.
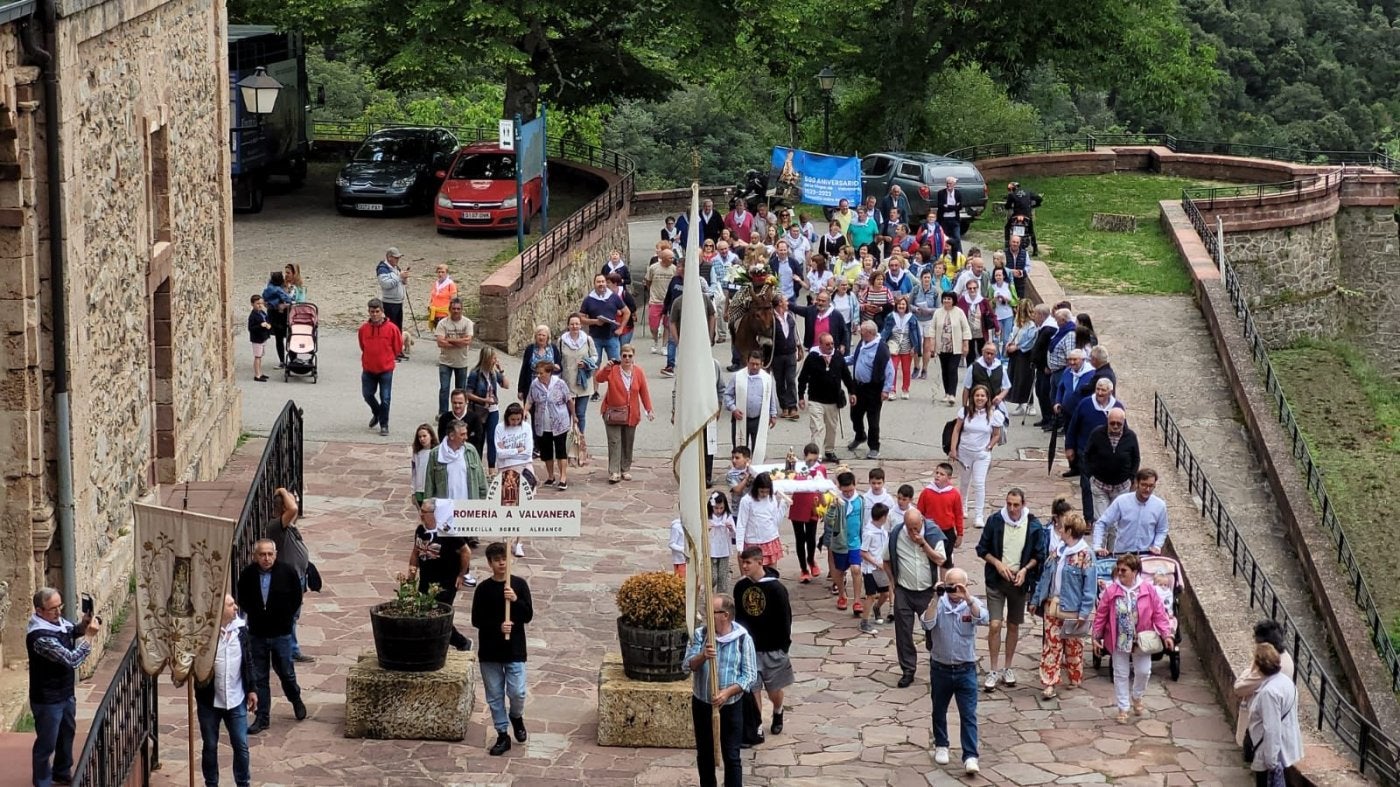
772	551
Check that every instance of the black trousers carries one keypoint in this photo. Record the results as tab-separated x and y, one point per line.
750	432
974	349
865	413
394	312
784	370
1042	393
730	729
447	597
805	534
280	331
948	365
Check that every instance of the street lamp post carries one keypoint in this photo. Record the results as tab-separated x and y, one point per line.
259	92
826	80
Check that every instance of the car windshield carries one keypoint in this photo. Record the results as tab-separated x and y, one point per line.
391	149
484	166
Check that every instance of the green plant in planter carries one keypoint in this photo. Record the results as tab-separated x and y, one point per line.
654	600
410	602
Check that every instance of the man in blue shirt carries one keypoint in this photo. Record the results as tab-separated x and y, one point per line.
951	622
874	383
1138	518
606	317
738	672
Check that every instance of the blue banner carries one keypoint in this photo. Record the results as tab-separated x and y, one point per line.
800	176
530	149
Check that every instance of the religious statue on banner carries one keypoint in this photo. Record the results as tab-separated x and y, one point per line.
180	604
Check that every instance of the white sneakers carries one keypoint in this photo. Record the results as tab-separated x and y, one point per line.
519	549
970	765
992	678
940	755
1008	677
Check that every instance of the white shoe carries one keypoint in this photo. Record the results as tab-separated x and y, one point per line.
940	755
655	350
1030	410
1009	677
979	522
1018	409
519	549
970	765
904	395
991	682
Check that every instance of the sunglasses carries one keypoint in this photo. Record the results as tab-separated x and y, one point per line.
627	355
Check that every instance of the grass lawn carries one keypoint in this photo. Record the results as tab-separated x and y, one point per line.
1093	261
1350	415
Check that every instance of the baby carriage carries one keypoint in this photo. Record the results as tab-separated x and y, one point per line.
1172	578
305	323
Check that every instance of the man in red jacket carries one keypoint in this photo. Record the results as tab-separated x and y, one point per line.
380	343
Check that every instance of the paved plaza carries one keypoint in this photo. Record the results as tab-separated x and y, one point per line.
845	720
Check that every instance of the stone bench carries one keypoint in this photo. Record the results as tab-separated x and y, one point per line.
1114	222
429	706
635	713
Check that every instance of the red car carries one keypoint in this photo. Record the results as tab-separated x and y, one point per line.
478	191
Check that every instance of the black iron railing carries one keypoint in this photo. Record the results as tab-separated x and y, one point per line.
554	245
1240	195
1336	536
1376	752
123	733
280	466
1090	142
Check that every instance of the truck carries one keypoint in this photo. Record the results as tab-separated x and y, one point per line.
276	144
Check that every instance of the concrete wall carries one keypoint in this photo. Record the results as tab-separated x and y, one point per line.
510	310
144	132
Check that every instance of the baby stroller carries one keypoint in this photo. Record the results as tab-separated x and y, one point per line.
305	322
1151	566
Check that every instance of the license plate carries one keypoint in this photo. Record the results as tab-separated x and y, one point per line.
368	206
1018	231
476	214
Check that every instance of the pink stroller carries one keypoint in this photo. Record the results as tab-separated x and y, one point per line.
305	322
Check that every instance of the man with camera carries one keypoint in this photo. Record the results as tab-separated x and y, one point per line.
951	622
56	647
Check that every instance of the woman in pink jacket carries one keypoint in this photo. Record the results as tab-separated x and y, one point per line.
626	399
1128	607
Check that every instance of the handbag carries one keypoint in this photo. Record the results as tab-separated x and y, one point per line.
1249	747
1149	642
617	416
1053	610
313	578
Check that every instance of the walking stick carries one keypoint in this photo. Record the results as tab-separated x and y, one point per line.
408	296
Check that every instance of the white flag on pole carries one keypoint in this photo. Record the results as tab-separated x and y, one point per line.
695	407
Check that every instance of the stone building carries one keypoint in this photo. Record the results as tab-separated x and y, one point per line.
136	319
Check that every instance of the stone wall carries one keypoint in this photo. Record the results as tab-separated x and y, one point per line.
1292	278
144	130
1370	267
511	310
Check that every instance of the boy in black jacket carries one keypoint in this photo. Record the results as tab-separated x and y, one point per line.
501	645
259	331
762	608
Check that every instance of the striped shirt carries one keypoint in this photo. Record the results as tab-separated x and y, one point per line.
738	663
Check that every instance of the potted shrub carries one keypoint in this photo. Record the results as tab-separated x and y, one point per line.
651	626
412	631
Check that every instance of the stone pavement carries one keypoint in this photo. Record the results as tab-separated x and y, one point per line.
845	719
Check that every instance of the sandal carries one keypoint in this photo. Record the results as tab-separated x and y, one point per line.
1048	693
614	478
1122	717
626	476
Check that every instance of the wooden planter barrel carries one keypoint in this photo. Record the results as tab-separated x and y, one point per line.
411	644
652	656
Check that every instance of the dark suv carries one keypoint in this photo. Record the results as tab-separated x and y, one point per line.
395	169
922	176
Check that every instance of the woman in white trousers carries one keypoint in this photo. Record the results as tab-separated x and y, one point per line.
975	434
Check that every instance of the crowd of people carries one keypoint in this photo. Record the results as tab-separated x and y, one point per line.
878	298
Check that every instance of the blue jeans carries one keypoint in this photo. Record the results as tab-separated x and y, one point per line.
383	384
447	376
611	347
1086	489
670	353
273	654
1004	330
581	410
958	682
492	419
235	720
296	620
54	725
499	680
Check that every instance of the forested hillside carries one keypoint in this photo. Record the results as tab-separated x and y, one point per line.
656	78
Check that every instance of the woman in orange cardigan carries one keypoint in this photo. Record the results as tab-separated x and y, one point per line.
444	290
626	398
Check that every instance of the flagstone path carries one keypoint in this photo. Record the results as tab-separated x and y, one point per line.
845	720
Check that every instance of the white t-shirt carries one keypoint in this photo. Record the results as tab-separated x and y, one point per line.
977	430
873	542
871	499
